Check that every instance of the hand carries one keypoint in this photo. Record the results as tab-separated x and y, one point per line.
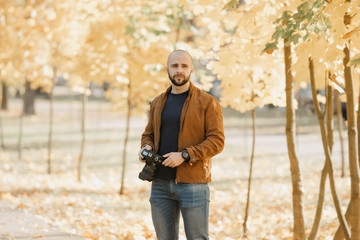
174	159
147	147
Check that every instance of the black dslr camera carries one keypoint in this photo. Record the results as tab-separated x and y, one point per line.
152	161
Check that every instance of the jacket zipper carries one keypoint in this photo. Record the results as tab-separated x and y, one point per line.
162	108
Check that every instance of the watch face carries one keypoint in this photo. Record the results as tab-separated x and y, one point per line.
185	154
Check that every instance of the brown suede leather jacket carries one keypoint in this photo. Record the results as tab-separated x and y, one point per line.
201	133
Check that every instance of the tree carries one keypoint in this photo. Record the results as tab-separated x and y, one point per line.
58	21
253	80
111	56
352	138
306	24
9	74
4	97
327	144
21	65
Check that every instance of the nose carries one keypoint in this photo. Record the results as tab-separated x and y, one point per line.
179	69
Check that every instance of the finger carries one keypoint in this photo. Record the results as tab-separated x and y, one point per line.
166	163
167	155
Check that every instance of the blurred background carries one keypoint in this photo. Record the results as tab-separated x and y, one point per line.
77	79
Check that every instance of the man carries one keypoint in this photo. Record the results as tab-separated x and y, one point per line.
186	127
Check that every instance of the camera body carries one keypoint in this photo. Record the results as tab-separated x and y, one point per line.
152	160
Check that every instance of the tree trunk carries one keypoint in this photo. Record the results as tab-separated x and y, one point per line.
327	147
20	137
330	130
1	131
352	148
352	211
128	114
51	118
339	235
358	125
250	173
297	195
1	126
320	204
51	114
329	114
324	174
177	32
83	112
29	100
339	125
4	97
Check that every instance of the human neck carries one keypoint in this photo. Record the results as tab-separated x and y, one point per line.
180	89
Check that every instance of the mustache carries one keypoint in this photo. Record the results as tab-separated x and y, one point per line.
179	75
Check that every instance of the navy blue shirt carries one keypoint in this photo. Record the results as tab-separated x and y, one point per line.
169	131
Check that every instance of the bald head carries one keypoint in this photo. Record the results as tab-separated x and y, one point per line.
179	52
179	68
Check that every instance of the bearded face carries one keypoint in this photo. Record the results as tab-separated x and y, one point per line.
179	68
179	79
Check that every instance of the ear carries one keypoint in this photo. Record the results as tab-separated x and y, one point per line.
192	69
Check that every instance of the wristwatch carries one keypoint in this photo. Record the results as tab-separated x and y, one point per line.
185	155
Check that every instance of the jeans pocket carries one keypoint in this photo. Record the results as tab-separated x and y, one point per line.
193	195
159	191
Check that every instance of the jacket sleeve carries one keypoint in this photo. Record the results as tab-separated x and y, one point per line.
214	134
148	134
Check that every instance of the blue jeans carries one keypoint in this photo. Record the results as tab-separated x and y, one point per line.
169	198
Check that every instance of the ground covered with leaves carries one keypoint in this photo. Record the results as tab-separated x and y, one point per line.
94	209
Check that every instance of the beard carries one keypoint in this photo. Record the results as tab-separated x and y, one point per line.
181	83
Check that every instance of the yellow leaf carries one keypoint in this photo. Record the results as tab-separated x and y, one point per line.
7	196
21	205
348	34
269	51
88	235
